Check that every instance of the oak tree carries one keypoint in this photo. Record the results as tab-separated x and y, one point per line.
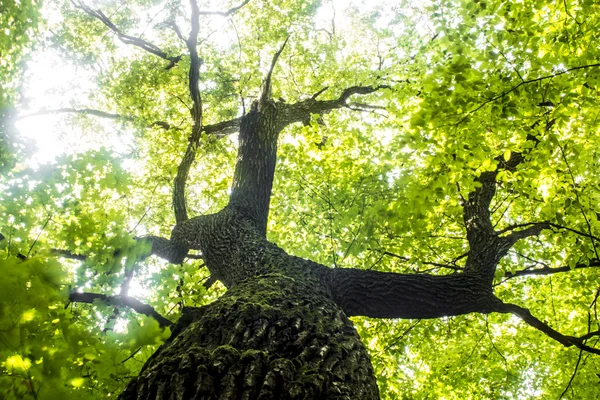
307	199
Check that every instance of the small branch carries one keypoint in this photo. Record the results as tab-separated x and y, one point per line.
266	94
85	111
552	271
211	280
225	13
38	236
572	375
573	182
406	259
121	301
131	355
68	254
195	256
320	92
138	42
532	321
98	113
587	235
499	96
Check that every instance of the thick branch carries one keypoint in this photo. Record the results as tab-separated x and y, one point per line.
160	247
141	43
434	264
257	154
223	128
486	247
121	301
532	229
388	295
565	340
183	170
166	249
302	110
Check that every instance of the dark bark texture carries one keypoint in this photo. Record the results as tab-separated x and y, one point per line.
270	337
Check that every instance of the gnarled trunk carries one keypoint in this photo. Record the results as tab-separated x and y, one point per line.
269	337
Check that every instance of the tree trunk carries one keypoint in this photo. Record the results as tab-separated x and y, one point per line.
281	331
269	337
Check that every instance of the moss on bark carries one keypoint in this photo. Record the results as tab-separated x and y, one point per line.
271	336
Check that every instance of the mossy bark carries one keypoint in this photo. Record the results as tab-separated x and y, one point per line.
270	337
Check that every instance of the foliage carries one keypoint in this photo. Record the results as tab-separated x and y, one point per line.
377	185
18	25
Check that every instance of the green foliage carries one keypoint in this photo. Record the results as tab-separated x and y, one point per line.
18	25
472	83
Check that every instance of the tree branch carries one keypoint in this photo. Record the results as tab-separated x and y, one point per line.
183	170
121	301
97	113
434	264
68	254
389	295
506	92
486	248
223	128
266	94
302	110
225	13
173	252
532	321
551	271
85	111
533	229
138	42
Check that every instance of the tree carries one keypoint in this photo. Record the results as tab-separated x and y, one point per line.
428	170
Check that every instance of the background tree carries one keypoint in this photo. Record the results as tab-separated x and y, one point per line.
432	169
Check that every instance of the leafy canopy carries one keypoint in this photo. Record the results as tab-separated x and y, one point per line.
374	186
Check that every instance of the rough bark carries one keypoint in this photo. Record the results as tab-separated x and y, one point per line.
270	337
281	330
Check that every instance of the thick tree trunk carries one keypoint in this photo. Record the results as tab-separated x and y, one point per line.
270	337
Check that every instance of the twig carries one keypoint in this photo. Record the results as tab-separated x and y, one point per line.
224	13
499	96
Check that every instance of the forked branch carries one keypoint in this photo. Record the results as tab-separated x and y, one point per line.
302	110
